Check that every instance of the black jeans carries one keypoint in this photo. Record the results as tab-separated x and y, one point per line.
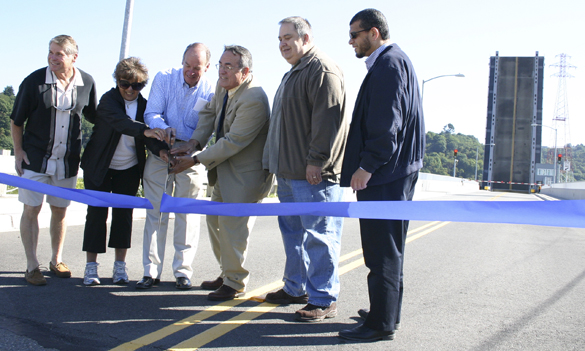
123	182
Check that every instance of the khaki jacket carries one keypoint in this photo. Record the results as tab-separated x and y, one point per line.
235	160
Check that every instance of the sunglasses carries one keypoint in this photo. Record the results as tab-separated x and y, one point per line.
354	35
135	86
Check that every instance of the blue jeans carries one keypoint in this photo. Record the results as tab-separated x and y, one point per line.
311	243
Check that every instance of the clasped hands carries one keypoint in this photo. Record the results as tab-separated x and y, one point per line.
179	158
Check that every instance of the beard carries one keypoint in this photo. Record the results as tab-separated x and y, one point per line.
362	49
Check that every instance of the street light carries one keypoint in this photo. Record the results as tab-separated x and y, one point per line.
477	158
542	125
428	80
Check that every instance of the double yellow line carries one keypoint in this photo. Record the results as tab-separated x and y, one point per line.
254	312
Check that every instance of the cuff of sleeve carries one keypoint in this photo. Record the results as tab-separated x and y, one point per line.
316	163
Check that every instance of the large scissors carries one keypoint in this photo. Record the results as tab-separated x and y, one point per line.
170	143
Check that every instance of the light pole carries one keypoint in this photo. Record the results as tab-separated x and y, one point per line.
428	80
124	49
555	154
476	158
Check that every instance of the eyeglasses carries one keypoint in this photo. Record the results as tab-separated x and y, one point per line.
354	35
124	84
226	67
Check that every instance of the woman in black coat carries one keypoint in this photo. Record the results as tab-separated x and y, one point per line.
113	161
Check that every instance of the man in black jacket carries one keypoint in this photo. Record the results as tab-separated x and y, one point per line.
384	153
51	101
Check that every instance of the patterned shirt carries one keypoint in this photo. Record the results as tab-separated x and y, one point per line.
172	103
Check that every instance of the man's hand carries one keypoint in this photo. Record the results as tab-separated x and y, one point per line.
313	175
181	163
170	134
360	179
164	155
186	149
155	133
20	156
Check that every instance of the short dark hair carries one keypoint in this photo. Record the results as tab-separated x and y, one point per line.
370	18
245	55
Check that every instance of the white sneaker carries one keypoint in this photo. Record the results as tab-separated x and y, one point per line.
91	274
120	274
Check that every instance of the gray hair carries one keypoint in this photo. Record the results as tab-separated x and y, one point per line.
245	55
131	68
302	25
66	42
194	45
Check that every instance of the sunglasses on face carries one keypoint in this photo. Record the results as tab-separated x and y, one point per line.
354	35
124	84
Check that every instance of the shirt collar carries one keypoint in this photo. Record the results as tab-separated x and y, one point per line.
372	58
232	91
50	78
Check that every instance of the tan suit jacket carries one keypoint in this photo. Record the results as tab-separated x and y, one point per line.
234	165
235	160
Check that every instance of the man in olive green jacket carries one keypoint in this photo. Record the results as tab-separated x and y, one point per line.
304	150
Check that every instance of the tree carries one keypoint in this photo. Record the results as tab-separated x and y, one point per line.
8	91
449	128
6	103
439	156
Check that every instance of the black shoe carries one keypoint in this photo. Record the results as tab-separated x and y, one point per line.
365	334
212	284
364	312
183	283
147	283
282	298
224	293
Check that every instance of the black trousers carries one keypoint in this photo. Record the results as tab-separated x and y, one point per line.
123	182
383	244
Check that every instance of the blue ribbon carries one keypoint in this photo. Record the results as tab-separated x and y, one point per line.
88	197
568	213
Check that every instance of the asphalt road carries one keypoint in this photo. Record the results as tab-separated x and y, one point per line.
468	286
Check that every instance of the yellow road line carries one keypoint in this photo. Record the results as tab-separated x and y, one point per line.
209	312
223	328
421	234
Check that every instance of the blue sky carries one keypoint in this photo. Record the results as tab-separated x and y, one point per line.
441	37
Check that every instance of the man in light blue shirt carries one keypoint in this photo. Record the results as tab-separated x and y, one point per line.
176	97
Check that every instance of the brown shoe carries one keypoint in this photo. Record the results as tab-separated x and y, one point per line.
282	298
212	284
61	270
224	293
312	313
35	277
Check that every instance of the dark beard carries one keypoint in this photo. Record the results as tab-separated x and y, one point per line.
367	46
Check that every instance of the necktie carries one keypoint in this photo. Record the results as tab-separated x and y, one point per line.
221	118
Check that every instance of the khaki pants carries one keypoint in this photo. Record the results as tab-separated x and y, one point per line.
186	231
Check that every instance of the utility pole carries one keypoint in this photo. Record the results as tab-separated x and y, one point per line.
126	31
455	162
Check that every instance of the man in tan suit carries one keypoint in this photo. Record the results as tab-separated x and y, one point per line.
239	115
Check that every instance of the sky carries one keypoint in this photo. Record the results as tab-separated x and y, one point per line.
440	37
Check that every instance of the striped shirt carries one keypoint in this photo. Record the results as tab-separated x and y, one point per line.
372	58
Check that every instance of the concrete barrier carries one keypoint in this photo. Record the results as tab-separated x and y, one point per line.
565	191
